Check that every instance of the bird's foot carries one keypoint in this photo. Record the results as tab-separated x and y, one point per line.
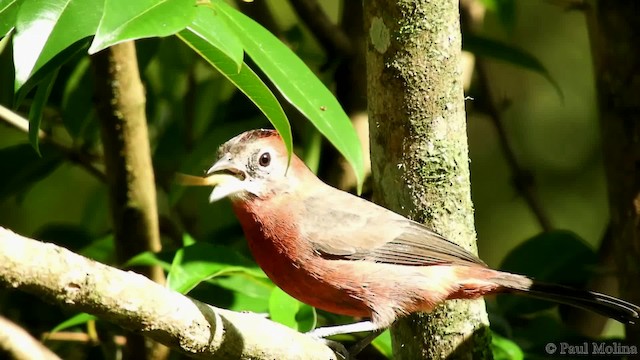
341	352
323	332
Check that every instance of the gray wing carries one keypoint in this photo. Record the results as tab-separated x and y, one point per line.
355	229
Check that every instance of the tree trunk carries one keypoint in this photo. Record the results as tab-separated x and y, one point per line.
614	28
419	153
132	191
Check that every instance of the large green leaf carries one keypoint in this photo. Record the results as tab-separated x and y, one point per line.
383	344
21	168
149	258
8	12
201	261
77	102
291	312
35	112
505	9
505	349
558	257
69	236
249	293
486	47
102	250
124	20
45	28
298	84
198	37
214	30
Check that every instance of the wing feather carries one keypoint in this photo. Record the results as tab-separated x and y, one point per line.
356	229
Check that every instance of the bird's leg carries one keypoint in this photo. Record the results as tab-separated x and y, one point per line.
360	345
327	331
362	326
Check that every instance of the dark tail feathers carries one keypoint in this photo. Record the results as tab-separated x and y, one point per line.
617	309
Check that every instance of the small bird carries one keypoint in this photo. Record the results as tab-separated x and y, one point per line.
346	255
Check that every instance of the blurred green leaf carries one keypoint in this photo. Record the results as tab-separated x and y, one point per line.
124	20
148	258
537	332
35	111
505	349
283	308
249	293
290	312
77	102
201	261
21	167
306	317
8	13
45	28
245	80
102	250
187	240
383	344
75	320
6	71
505	9
558	256
490	48
70	236
304	90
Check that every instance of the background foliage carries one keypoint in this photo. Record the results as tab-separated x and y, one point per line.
222	73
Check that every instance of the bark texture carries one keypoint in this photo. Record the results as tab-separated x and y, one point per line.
133	302
121	109
17	344
614	28
419	149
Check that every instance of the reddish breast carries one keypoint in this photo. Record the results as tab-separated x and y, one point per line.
291	263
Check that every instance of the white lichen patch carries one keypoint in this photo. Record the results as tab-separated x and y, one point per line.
379	35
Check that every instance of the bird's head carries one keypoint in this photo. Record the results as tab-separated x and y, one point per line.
254	165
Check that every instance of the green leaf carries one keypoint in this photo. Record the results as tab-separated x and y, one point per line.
77	102
490	48
312	151
201	261
505	349
383	344
35	112
505	9
148	258
306	317
8	13
21	168
298	84
283	308
215	31
566	259
70	236
245	80
45	28
187	240
290	312
102	250
249	293
124	20
75	320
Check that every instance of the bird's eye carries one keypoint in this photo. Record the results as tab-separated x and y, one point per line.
265	159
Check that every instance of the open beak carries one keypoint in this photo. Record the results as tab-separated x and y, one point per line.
227	179
224	176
